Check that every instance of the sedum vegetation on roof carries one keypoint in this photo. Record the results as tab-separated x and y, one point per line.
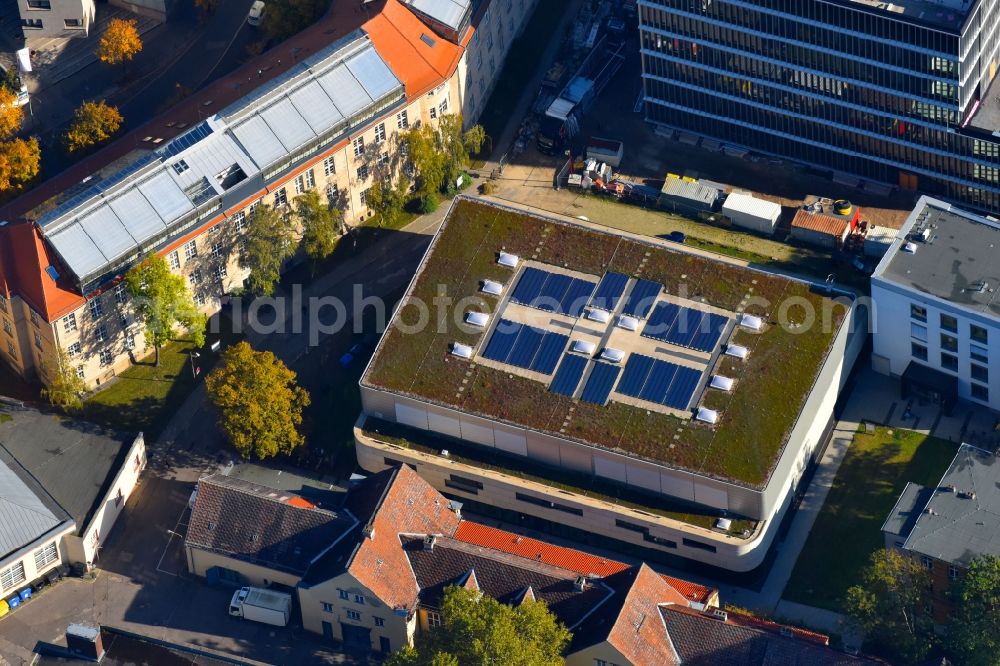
756	418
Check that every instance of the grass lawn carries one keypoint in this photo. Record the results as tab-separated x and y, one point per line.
145	396
848	528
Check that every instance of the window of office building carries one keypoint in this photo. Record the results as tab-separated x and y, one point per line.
949	323
11	350
190	249
101	333
121	295
433	619
96	308
949	342
69	323
106	357
359	146
949	362
980	373
978	334
329	167
918	351
79	371
978	353
73	350
918	332
240	220
353	615
364	196
980	392
363	172
380	133
918	312
379	622
280	197
174	260
402	122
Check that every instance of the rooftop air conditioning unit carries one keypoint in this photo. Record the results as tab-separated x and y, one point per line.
910	248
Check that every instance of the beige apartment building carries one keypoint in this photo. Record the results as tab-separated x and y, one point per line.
327	117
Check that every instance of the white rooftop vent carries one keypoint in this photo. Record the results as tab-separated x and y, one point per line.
613	355
600	316
460	350
583	347
723	524
751	322
737	351
707	415
479	319
910	248
628	323
722	383
492	288
507	259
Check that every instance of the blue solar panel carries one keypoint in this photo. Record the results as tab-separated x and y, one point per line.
660	320
636	370
641	298
502	340
710	332
548	355
576	297
599	384
550	298
526	346
658	382
568	375
528	286
682	389
609	290
685	327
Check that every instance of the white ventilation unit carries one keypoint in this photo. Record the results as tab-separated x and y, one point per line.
722	383
461	351
752	322
479	319
707	415
583	347
910	248
612	355
492	288
737	351
628	323
723	524
508	260
600	316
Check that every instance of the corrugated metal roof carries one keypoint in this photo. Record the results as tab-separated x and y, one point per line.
24	516
820	223
694	191
744	203
448	12
115	218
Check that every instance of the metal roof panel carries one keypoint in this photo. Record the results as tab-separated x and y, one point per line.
259	141
103	224
77	249
373	74
313	104
287	124
165	196
345	91
139	216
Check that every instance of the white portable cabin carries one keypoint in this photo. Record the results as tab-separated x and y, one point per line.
751	213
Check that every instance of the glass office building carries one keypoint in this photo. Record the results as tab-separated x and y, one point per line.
897	92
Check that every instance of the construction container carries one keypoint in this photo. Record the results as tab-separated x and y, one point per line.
687	195
751	213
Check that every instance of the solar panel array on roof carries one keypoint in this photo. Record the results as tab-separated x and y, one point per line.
609	291
568	375
641	298
525	346
552	292
599	384
658	381
685	327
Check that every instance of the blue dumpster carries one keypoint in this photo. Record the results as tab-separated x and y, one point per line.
25	594
14	602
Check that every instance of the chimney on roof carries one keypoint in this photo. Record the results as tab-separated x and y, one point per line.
429	542
456	506
84	641
580	584
369	531
967	494
720	614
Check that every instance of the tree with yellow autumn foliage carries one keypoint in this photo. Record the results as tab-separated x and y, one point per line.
19	162
93	123
260	405
11	114
119	43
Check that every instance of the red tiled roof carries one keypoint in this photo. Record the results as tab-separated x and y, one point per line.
638	633
821	223
567	558
409	505
30	256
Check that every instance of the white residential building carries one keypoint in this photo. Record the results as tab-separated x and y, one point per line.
936	317
56	18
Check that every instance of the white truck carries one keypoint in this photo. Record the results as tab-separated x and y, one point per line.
259	605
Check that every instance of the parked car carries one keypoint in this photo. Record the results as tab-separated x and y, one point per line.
256	15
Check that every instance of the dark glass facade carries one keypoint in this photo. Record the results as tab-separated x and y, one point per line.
840	84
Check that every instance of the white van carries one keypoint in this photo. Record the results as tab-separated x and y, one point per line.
256	14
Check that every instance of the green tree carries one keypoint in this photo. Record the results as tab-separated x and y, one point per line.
286	18
320	225
93	123
270	240
163	302
480	631
889	605
440	152
388	202
65	387
974	632
259	403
